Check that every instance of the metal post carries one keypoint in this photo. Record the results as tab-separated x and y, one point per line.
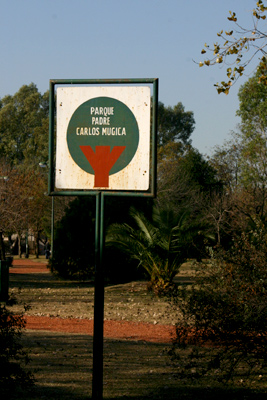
97	389
52	226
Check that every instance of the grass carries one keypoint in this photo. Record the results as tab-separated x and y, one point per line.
62	363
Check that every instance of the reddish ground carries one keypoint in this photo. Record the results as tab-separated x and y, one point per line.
112	329
25	266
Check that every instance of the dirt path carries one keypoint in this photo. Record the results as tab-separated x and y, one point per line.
112	329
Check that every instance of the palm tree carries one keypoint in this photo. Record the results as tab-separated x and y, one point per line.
160	246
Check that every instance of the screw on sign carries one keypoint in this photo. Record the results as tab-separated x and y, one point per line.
102	138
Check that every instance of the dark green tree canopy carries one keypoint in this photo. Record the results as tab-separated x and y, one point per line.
253	104
200	172
24	126
175	124
182	173
242	159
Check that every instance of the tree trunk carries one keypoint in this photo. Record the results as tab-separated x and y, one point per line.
2	247
19	245
37	244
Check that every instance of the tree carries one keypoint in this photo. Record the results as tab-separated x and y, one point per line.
202	174
241	163
157	245
225	161
253	140
238	47
38	208
24	127
173	185
24	120
24	207
174	124
74	243
189	184
160	244
184	177
18	196
13	203
221	331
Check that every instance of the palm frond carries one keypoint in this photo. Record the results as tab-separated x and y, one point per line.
159	245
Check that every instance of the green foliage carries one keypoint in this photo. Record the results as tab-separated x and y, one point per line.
201	174
224	313
238	47
187	184
241	162
23	145
174	124
252	137
159	245
183	172
24	127
13	357
74	244
252	104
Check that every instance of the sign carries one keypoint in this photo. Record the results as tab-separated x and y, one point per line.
103	138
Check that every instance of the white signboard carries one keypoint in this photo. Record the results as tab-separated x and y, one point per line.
103	138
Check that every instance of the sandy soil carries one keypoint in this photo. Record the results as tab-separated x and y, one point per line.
112	329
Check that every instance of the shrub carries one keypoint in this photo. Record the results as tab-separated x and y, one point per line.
223	324
74	248
159	244
13	358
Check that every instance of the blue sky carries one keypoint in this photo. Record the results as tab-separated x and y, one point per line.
67	39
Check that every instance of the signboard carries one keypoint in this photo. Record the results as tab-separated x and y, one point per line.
103	138
102	148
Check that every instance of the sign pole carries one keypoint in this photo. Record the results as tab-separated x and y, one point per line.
104	142
97	384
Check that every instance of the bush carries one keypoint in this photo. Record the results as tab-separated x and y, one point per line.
13	358
74	243
119	268
158	244
223	324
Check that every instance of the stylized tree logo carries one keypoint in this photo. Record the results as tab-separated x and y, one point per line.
102	138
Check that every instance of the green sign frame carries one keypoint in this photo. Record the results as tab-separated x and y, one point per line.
54	83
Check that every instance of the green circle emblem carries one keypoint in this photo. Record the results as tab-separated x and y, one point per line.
103	121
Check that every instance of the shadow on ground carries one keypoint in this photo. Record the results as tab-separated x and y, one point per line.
62	365
44	280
